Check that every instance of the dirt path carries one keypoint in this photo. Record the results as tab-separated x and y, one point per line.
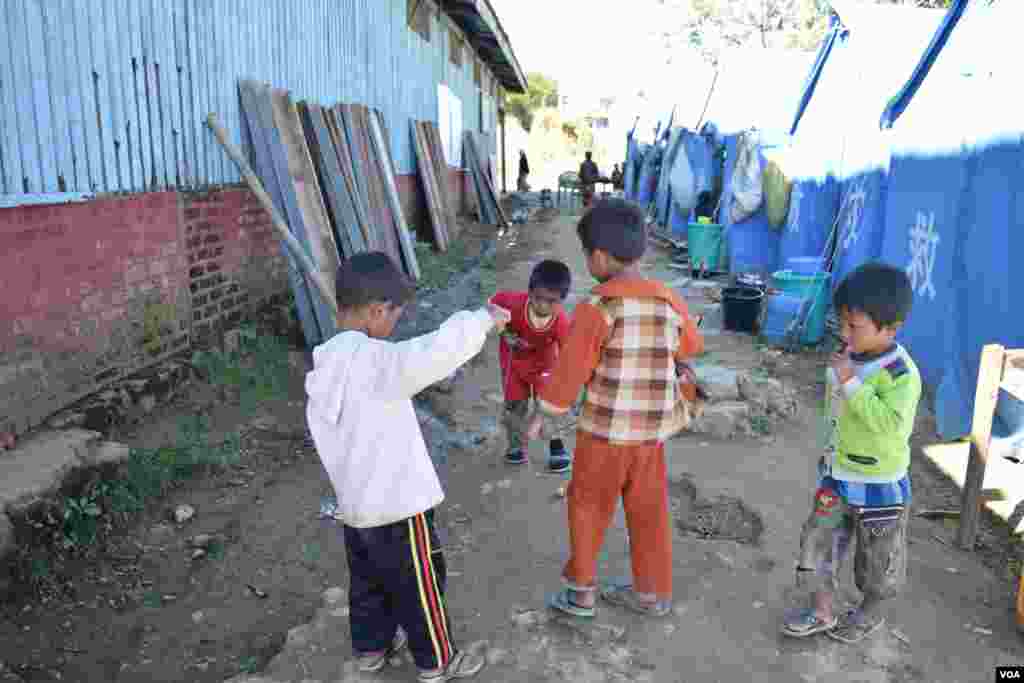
146	611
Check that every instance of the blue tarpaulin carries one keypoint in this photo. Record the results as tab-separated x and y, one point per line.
752	244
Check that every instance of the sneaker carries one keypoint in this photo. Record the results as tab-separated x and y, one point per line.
516	457
559	459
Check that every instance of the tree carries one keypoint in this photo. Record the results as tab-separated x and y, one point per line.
541	92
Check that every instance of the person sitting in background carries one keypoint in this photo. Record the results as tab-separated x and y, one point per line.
617	180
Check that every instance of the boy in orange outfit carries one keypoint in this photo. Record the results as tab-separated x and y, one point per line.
627	344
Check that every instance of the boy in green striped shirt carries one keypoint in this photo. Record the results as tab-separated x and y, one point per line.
863	492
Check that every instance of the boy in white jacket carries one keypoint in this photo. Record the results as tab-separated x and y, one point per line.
362	420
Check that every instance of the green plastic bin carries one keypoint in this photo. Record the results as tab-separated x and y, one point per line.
812	288
706	245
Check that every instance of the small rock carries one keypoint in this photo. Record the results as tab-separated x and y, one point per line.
758	604
198	554
201	541
486	489
198	617
723	420
147	404
184	513
952	570
982	631
670	629
333	596
232	341
505	483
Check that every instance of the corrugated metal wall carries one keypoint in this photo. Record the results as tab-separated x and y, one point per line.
111	95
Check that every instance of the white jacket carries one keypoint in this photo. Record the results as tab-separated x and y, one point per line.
362	420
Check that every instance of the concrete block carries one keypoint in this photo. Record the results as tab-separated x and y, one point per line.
40	463
723	420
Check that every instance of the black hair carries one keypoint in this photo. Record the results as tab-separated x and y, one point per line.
617	227
371	278
879	291
553	275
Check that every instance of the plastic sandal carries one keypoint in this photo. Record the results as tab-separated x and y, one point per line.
807	624
854	627
375	661
561	601
623	595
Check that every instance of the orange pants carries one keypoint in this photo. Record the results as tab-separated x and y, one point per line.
601	473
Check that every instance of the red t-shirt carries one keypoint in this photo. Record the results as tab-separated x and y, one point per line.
539	350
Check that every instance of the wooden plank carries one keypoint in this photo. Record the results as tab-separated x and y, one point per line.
990	375
307	192
335	128
428	181
391	190
358	183
261	137
380	213
434	148
325	161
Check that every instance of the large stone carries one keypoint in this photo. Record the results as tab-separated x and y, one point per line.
40	463
760	390
721	383
107	453
724	420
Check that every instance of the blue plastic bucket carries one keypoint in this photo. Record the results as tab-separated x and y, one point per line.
805	265
705	244
780	311
812	289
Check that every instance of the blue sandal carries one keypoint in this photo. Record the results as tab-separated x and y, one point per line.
562	602
806	623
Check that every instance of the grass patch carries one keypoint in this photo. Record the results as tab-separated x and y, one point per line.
75	522
437	269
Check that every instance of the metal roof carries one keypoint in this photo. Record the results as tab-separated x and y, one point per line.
480	23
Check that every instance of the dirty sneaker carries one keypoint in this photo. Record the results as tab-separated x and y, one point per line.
559	459
462	665
516	457
372	662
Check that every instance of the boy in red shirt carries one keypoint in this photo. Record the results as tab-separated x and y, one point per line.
529	349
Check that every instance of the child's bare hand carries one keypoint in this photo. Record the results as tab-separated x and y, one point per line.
500	316
842	365
533	428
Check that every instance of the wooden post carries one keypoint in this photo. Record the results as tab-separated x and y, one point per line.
301	257
990	376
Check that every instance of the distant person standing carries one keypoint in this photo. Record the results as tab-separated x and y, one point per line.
524	171
617	183
589	175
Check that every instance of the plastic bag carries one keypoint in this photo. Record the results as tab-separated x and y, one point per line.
747	191
777	190
683	182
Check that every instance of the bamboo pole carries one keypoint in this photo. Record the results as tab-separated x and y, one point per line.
301	257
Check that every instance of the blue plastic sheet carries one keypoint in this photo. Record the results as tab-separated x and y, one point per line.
813	205
861	223
752	244
922	222
664	194
990	240
649	174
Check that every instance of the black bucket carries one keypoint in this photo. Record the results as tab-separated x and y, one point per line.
741	308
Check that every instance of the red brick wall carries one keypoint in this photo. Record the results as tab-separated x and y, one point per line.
234	258
94	291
